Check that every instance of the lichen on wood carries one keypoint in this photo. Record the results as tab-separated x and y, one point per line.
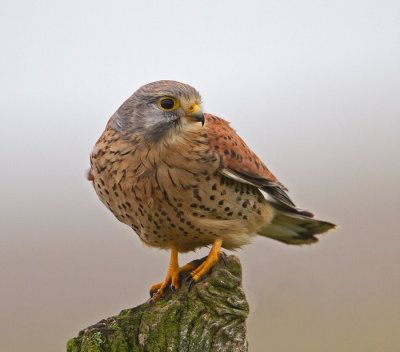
211	316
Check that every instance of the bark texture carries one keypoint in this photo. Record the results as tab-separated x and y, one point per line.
209	317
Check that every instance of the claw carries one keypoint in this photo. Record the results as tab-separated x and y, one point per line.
188	277
172	278
222	256
213	258
197	268
191	283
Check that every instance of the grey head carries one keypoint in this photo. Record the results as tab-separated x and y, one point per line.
156	108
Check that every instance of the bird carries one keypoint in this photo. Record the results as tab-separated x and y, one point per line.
183	179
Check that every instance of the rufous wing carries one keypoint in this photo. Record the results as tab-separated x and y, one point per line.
240	163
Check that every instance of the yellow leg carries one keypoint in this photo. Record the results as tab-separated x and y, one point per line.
212	259
157	290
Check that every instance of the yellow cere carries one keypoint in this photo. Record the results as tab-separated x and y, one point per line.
193	108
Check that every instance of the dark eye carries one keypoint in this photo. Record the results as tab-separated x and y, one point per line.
168	103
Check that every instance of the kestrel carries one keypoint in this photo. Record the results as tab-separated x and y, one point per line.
183	180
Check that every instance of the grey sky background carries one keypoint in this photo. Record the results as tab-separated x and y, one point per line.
311	86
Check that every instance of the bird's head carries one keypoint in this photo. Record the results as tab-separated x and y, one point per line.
157	108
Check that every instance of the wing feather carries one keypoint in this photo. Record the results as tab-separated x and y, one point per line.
241	164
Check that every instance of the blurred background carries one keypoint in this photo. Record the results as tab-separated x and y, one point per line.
312	86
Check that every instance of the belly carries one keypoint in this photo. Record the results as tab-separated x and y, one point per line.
191	215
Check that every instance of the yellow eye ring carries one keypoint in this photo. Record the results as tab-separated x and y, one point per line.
168	103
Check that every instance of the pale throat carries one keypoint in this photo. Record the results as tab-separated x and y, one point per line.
183	133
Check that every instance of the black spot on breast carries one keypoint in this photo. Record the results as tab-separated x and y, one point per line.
196	194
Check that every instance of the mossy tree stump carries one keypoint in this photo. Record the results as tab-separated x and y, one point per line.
209	317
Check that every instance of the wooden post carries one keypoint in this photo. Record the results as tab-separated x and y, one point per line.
209	317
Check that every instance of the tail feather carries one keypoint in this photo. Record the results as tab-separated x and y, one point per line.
294	228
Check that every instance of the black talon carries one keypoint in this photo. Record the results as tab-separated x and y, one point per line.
173	289
149	302
191	283
222	256
188	277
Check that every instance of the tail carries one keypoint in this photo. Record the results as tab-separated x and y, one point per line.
294	227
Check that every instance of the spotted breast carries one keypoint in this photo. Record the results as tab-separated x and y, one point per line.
176	192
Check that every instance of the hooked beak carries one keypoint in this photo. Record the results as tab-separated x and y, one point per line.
196	114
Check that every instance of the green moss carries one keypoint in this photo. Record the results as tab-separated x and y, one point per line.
211	316
72	346
97	338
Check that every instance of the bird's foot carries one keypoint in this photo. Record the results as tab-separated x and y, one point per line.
172	279
213	258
